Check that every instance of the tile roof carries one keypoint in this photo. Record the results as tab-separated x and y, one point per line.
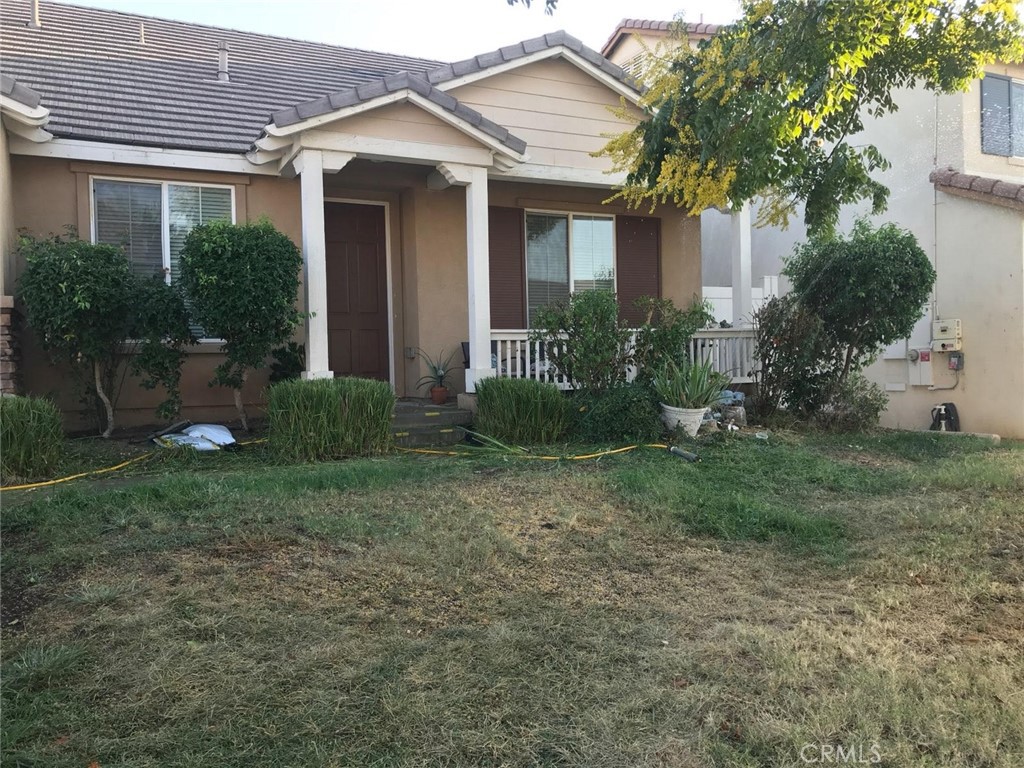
22	94
640	25
132	79
392	84
982	188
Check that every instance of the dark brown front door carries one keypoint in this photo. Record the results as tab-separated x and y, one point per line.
357	303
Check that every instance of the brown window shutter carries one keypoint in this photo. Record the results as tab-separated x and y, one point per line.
638	262
507	265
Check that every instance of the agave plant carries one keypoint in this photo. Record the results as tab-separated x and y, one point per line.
440	368
689	385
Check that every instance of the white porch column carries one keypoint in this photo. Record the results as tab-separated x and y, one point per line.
478	274
742	301
309	164
474	179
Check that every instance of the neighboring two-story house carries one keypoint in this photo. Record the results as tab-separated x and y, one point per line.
957	183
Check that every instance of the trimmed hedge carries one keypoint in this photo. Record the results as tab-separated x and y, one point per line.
329	418
31	438
521	411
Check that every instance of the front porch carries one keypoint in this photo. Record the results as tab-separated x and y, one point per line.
731	351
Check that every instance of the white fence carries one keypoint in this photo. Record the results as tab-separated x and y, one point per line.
731	351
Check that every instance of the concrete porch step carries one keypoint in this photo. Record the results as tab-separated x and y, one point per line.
428	437
418	424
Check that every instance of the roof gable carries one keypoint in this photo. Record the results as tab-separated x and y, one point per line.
553	45
390	90
654	28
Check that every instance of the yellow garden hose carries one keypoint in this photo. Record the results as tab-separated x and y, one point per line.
123	464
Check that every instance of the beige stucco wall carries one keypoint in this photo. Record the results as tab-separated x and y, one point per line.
980	282
8	233
54	194
561	112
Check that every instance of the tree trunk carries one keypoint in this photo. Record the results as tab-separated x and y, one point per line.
238	404
103	396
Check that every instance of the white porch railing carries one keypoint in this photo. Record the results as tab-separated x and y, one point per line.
731	351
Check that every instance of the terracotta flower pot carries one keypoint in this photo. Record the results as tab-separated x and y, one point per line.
439	395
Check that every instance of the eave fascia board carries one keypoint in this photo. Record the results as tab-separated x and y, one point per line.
558	51
551	174
127	154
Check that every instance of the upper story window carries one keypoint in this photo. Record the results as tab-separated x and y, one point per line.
150	220
1002	116
566	253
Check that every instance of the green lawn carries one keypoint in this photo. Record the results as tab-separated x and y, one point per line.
862	592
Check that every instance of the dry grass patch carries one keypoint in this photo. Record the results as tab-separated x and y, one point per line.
541	615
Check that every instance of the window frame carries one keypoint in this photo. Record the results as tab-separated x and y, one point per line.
165	209
569	247
165	216
1016	153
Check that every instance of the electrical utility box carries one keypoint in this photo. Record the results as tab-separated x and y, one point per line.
947	336
919	367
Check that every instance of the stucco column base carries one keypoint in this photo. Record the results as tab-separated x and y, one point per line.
313	375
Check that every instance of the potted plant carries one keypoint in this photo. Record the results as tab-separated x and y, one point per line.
686	391
440	369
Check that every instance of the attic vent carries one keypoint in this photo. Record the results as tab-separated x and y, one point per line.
222	62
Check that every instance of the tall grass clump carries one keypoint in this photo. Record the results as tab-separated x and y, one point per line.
521	411
31	438
329	418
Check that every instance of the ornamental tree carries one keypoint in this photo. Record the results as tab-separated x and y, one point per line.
850	298
868	290
241	281
88	308
769	106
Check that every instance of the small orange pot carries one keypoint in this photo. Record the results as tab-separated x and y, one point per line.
439	395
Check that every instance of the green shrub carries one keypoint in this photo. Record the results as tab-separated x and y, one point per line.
665	333
626	413
856	406
31	438
242	281
521	411
88	308
329	418
585	339
289	362
850	298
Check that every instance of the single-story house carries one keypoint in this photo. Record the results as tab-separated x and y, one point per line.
435	203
